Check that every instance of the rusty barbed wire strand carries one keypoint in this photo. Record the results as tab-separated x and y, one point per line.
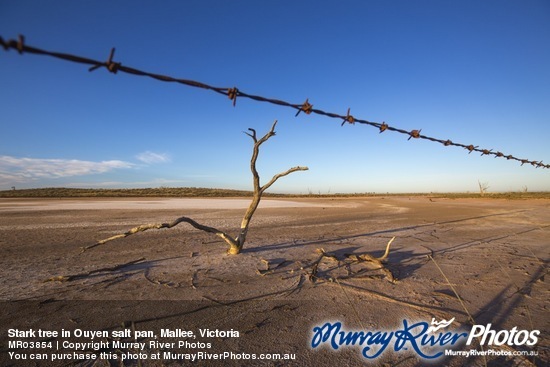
233	93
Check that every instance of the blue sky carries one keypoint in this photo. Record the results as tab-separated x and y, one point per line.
475	72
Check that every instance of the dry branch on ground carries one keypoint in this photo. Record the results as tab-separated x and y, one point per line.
367	263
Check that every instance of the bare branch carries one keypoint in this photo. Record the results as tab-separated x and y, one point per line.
279	175
253	135
174	223
255	153
268	135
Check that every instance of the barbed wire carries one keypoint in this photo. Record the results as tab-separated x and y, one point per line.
233	93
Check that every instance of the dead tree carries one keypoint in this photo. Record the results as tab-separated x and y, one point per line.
483	187
235	243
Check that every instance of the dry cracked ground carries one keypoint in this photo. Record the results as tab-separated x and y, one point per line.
306	262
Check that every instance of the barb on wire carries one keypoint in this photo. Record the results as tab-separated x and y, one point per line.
306	107
414	134
110	65
233	93
349	119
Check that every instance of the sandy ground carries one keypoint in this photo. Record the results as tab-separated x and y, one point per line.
492	253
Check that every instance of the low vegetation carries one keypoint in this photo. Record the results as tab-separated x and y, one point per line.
62	192
183	192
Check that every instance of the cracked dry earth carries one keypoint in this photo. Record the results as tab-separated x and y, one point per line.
303	265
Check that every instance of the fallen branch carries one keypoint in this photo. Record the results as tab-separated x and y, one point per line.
351	259
146	227
314	267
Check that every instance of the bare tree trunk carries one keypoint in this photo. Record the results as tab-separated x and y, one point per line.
235	243
241	238
258	190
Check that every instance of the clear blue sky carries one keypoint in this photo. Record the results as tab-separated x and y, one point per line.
475	72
